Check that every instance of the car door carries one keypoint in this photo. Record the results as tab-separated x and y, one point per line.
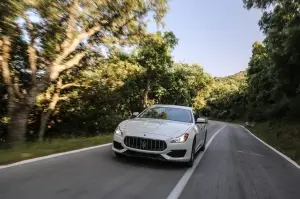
201	131
198	134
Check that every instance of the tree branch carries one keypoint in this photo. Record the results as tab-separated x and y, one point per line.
31	50
72	62
69	85
17	87
70	25
1	57
59	84
57	66
63	98
74	44
55	99
5	59
48	95
6	48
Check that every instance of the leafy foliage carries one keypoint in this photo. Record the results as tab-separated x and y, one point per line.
114	88
42	40
228	97
274	72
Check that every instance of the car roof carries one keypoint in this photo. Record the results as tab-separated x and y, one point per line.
172	106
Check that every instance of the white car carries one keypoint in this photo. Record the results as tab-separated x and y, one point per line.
164	132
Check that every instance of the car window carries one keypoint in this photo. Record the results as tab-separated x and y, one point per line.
168	113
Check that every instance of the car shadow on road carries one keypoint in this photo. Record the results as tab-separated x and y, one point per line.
151	163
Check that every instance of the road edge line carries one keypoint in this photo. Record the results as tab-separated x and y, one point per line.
52	156
275	150
177	190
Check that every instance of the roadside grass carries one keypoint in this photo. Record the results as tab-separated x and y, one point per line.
38	149
282	135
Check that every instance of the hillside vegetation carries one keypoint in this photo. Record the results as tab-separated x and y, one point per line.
227	98
269	95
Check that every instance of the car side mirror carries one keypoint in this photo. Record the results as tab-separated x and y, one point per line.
134	114
201	121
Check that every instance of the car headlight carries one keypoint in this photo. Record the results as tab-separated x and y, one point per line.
118	132
181	138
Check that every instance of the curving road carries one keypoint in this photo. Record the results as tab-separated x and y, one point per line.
235	165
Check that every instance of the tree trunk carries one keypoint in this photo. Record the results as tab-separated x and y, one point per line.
17	110
45	115
19	116
44	118
147	92
4	59
17	125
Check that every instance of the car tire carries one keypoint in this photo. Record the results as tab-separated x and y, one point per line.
204	143
190	163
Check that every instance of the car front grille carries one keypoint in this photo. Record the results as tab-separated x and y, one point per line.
145	143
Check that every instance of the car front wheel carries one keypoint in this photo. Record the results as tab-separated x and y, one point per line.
204	142
192	159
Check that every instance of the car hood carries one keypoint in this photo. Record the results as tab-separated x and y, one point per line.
167	128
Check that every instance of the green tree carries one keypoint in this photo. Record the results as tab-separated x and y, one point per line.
154	55
228	97
58	39
105	98
280	23
274	72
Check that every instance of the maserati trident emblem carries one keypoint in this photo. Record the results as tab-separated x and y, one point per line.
143	144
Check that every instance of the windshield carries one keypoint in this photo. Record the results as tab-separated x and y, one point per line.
168	113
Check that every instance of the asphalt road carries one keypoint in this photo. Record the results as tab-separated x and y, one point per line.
235	165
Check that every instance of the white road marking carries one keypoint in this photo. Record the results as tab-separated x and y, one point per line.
175	193
278	152
256	154
52	156
249	153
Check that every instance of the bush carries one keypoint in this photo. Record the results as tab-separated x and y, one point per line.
205	112
257	114
232	116
294	108
278	110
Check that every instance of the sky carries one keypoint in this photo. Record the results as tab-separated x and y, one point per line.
218	34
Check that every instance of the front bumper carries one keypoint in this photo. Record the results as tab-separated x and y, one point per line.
178	152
